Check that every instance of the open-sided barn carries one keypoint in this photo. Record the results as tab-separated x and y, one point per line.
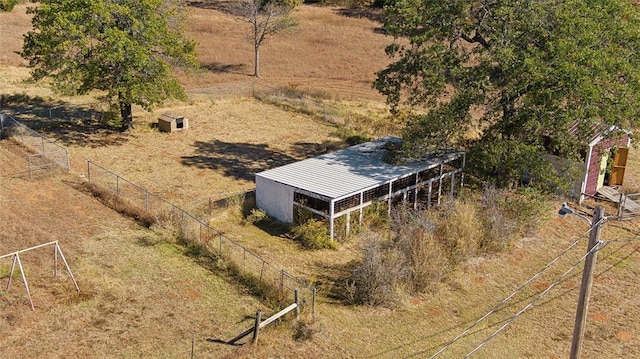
337	184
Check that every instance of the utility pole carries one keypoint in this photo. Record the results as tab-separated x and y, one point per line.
587	281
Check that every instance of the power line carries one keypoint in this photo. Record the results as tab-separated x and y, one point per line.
499	305
543	293
626	240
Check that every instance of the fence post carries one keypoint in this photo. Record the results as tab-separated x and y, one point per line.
68	160
117	186
89	170
256	326
296	295
313	302
621	202
29	165
42	140
220	244
146	200
281	282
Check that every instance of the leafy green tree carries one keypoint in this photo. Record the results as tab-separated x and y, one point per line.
516	74
127	48
267	18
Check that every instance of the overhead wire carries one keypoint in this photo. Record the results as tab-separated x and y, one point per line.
540	295
516	291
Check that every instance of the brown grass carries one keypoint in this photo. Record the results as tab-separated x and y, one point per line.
152	305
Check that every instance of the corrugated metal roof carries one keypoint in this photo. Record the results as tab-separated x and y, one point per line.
347	171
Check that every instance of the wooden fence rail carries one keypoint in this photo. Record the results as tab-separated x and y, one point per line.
259	324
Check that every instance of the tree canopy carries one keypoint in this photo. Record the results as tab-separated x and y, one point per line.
508	79
126	48
267	18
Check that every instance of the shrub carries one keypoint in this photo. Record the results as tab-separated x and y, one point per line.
376	215
425	260
508	215
304	331
340	227
256	216
313	234
8	5
378	279
459	229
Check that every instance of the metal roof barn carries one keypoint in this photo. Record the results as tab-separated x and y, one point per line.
338	183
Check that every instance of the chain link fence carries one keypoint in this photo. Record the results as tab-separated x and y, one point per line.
45	153
197	231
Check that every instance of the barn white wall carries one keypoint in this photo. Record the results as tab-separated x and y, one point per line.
275	198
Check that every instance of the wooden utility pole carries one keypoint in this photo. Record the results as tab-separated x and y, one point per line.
587	280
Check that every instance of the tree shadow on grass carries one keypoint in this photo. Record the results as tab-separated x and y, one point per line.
237	160
219	68
63	122
369	12
225	6
244	160
333	281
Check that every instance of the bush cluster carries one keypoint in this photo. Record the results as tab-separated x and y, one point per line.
8	5
426	246
313	234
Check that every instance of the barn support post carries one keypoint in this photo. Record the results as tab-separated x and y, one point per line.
430	194
453	183
440	183
331	218
415	192
389	197
348	224
361	208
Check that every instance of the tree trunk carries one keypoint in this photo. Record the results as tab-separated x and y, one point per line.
127	116
256	63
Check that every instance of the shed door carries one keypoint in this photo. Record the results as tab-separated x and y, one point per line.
619	165
602	169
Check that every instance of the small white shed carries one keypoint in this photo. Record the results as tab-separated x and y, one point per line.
168	122
338	183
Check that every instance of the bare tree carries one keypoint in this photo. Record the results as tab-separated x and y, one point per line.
267	18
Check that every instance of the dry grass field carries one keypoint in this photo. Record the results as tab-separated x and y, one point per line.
140	296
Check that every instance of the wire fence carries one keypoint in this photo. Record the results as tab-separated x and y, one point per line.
45	155
291	98
197	231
